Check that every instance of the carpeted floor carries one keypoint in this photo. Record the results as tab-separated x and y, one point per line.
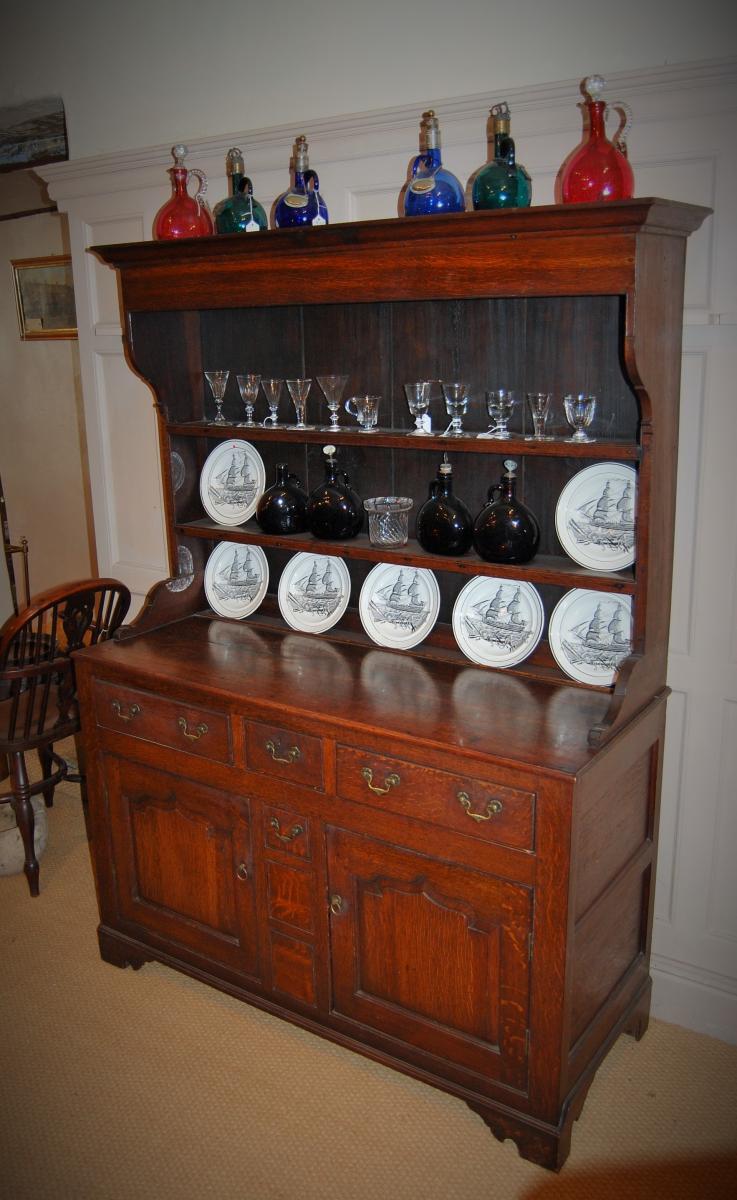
117	1085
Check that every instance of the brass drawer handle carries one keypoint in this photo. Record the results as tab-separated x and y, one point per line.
336	905
242	871
195	734
390	781
493	808
295	832
275	747
133	710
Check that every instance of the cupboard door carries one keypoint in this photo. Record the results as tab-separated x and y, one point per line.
183	863
431	954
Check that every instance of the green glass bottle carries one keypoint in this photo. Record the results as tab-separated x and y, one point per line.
240	213
503	182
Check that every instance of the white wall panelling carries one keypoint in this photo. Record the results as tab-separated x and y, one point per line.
682	146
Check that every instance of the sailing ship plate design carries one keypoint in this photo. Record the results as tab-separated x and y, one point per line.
590	634
498	622
314	591
232	482
595	516
398	606
236	579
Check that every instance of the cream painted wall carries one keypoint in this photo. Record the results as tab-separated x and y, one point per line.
145	73
43	461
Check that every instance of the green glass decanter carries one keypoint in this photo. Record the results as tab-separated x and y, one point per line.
239	213
503	182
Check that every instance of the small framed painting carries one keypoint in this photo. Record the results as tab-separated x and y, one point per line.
44	297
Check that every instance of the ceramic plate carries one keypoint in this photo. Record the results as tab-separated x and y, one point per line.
314	591
236	578
498	622
595	517
232	480
398	606
590	634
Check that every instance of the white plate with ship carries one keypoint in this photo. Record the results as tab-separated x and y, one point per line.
590	635
231	482
398	606
595	517
236	579
314	591
498	622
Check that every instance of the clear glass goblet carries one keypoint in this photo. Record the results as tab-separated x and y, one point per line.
332	387
580	409
248	386
299	390
272	391
500	404
418	402
218	381
539	406
456	403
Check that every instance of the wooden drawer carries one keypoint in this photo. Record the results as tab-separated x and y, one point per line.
274	750
287	832
165	722
471	806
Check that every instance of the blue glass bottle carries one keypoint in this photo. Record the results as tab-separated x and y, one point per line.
503	182
302	203
432	189
239	213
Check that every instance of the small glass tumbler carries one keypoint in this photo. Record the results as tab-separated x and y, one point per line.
388	520
539	406
580	409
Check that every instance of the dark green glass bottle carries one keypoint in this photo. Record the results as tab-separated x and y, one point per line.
503	182
240	213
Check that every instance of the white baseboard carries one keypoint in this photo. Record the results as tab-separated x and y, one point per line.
698	1000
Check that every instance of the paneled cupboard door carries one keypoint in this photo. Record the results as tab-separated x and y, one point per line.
433	955
183	863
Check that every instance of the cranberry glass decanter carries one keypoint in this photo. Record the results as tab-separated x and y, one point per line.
184	216
598	169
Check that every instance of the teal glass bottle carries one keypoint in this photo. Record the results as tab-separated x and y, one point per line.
432	188
239	213
302	203
503	182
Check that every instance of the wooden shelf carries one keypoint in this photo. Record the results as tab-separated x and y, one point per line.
544	569
603	448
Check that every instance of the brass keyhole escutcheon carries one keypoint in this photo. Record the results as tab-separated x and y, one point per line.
193	734
133	710
295	832
336	905
274	749
242	871
390	781
493	808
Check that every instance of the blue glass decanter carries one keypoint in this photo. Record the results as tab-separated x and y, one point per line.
240	212
432	188
302	204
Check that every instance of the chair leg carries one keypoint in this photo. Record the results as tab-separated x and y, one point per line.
23	809
47	766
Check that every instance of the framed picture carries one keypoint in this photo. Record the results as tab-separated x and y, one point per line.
44	297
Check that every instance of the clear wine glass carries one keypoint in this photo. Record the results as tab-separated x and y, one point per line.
580	409
539	406
299	390
218	381
418	401
332	387
456	402
248	386
500	404
272	391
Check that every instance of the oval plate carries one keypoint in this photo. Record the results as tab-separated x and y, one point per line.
498	622
236	579
231	482
314	591
398	606
590	634
595	517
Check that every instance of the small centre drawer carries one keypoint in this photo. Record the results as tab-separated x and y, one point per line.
165	722
285	753
472	806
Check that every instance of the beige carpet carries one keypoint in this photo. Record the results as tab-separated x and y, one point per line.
117	1085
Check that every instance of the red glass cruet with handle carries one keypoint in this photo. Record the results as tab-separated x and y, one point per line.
598	169
183	215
